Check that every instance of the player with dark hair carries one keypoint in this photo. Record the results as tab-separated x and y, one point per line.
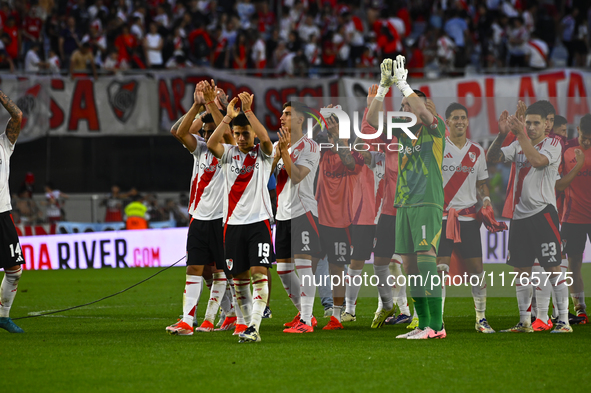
534	227
297	239
576	218
247	209
464	180
12	256
560	126
419	197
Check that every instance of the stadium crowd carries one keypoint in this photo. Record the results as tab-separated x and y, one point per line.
291	37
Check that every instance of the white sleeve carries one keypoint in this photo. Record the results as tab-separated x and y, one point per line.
6	144
482	168
510	151
227	156
309	159
552	150
201	146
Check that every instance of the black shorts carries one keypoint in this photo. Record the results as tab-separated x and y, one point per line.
247	246
362	237
574	237
297	236
11	254
385	237
336	244
469	247
535	237
205	243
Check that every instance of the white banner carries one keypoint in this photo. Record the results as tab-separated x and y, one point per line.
175	93
115	249
487	96
83	107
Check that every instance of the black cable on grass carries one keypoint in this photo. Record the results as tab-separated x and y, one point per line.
101	299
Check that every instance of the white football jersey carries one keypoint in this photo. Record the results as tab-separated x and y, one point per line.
246	175
296	200
6	149
207	184
533	189
461	169
378	166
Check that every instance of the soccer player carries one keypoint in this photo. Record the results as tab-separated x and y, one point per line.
297	211
419	198
12	256
204	239
576	218
337	173
247	209
534	226
464	180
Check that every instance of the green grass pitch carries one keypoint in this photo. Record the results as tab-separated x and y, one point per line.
120	345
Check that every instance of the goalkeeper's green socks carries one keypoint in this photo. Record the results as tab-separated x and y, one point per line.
427	265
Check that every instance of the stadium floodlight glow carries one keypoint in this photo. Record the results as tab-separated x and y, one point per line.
345	123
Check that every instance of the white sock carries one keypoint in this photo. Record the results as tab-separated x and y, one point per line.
579	301
291	282
541	295
380	304
399	291
560	296
218	289
352	288
8	290
308	289
193	287
479	296
226	302
260	288
383	288
414	314
336	312
524	295
239	317
442	298
244	298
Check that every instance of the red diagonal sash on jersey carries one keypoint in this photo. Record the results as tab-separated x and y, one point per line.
380	195
193	191
520	178
241	183
539	50
283	176
455	182
205	180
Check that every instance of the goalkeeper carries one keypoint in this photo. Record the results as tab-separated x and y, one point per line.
419	196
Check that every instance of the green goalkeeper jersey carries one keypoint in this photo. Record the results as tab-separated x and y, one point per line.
420	180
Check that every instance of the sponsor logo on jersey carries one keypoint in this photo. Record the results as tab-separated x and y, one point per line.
342	259
265	261
410	149
336	175
236	157
448	155
584	173
306	248
458	168
244	169
210	168
423	243
122	97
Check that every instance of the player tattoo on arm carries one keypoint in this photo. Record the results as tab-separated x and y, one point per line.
483	192
494	154
345	155
13	128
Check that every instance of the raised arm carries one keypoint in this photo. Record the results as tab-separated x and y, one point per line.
565	181
535	158
494	154
214	144
296	173
342	149
257	127
416	103
376	103
13	128
183	133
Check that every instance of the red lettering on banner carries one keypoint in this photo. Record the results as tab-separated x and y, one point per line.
473	89
57	113
39	230
83	106
44	260
491	110
178	92
29	256
271	120
156	256
28	230
164	100
526	89
552	79
287	93
575	108
137	262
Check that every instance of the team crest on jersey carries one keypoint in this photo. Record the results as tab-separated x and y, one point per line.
122	97
252	153
472	156
230	263
296	154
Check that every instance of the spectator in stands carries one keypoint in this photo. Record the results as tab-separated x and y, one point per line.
6	62
69	41
31	32
25	210
127	44
137	28
28	184
96	8
568	25
33	62
177	213
259	53
98	44
457	29
114	205
82	16
153	44
155	211
517	43
136	214
240	53
81	61
446	52
54	201
581	43
13	43
537	52
245	10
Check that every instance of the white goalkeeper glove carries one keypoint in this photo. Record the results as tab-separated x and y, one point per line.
400	74
387	79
